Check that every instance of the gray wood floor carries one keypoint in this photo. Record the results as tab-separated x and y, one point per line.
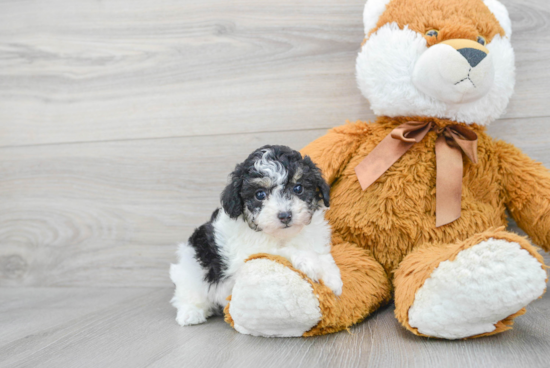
134	327
119	122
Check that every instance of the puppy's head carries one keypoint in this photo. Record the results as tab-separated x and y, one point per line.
276	191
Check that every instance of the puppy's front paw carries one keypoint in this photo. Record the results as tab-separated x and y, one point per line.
309	264
331	274
190	315
334	282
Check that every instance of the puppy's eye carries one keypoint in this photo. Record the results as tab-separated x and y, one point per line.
481	40
298	189
261	195
432	33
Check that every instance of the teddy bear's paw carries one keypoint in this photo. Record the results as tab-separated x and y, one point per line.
483	285
190	315
270	299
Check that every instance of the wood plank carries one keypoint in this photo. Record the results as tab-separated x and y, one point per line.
530	135
26	312
92	71
111	213
96	71
531	40
140	331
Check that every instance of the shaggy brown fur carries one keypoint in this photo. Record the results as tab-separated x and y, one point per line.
417	267
391	225
385	237
366	288
452	18
366	284
395	216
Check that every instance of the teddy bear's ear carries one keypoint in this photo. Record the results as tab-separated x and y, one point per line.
373	10
501	13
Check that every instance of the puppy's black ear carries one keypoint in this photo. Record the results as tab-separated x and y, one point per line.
324	189
231	196
322	185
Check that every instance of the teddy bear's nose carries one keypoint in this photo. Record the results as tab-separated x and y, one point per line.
473	56
472	51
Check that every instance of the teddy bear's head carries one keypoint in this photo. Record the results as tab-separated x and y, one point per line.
449	59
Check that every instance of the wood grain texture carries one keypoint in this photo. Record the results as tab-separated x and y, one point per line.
137	329
96	71
111	213
102	71
119	122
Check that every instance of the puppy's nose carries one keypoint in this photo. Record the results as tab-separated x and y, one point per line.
285	217
473	56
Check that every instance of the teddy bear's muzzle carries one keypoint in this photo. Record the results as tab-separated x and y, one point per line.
455	71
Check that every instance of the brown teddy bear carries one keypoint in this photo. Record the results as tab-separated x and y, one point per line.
418	197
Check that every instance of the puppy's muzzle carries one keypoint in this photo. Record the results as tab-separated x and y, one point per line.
285	217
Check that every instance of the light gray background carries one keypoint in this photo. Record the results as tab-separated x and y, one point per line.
119	122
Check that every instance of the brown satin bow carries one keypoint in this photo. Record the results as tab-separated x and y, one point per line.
452	141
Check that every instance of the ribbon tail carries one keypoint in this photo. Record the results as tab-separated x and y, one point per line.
448	182
381	158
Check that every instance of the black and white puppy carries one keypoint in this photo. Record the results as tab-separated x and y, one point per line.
275	204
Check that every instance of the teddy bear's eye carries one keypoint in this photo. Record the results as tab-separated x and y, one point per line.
481	40
432	33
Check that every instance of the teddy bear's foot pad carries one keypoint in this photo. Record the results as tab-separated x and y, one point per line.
483	285
270	299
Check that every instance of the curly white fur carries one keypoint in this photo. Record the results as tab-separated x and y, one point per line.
308	251
386	65
483	285
263	285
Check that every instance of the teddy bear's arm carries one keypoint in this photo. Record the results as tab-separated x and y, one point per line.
333	151
527	192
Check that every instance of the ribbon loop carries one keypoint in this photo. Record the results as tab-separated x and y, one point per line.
412	131
452	141
387	152
466	139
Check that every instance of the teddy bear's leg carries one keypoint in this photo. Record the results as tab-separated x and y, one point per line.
472	288
271	298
